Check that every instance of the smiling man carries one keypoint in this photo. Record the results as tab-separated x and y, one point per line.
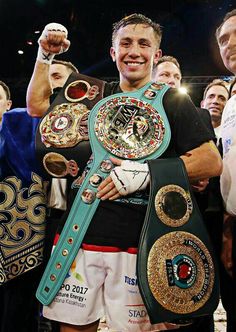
135	50
214	100
108	254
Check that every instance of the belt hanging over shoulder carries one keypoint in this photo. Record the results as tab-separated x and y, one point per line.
125	125
176	268
62	137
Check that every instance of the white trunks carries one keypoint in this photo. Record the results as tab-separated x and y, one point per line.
102	283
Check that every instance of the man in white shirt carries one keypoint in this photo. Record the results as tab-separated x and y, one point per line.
226	38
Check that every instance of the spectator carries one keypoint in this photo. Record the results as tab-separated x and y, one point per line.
226	39
5	99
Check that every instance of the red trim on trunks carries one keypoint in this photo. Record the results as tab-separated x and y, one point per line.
92	247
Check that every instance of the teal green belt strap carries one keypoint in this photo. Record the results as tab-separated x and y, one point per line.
128	126
176	269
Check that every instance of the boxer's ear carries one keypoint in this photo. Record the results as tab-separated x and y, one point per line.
113	54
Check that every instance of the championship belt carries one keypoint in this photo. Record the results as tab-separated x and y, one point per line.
62	137
126	125
176	268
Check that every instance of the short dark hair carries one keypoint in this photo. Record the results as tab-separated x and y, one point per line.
6	89
226	17
67	64
167	58
215	83
137	19
231	85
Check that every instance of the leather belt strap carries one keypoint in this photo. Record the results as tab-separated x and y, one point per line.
109	114
61	140
176	268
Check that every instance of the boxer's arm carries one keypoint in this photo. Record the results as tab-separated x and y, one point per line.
39	90
52	41
203	162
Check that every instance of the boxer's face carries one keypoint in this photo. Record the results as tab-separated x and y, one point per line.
135	51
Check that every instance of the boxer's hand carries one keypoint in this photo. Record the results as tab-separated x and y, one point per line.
107	189
52	41
130	176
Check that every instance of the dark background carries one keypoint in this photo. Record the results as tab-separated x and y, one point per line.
188	34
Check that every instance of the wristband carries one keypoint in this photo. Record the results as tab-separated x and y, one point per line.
130	176
46	57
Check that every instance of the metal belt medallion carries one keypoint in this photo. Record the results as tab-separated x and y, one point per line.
180	272
173	205
79	90
129	128
65	126
58	166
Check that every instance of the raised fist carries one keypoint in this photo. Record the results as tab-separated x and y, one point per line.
52	41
